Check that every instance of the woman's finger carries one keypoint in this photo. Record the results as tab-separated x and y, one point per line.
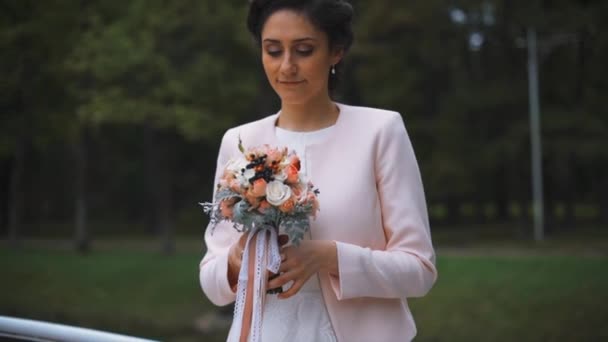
297	285
282	279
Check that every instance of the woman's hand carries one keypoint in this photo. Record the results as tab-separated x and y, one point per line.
300	263
235	258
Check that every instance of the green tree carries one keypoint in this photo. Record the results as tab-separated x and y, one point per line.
33	102
170	67
467	111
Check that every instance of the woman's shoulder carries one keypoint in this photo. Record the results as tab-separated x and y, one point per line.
363	110
370	117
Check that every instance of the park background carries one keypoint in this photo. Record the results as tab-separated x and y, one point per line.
111	114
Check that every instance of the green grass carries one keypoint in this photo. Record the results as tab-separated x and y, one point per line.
513	297
140	292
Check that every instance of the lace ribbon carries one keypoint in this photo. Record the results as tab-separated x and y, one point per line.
251	286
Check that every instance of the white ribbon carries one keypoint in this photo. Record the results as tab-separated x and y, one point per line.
271	263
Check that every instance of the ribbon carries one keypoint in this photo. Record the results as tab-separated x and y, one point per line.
251	286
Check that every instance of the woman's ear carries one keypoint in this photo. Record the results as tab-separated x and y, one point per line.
337	55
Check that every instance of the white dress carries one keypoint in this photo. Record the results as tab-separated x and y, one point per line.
302	317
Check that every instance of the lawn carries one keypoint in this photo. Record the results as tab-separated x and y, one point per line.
509	297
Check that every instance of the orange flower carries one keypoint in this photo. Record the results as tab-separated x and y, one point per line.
274	155
259	188
288	205
292	173
294	161
296	190
253	200
263	206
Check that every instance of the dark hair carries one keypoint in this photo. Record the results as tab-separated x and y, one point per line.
334	17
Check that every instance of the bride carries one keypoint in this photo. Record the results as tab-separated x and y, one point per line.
370	247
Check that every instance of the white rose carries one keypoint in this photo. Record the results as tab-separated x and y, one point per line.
277	193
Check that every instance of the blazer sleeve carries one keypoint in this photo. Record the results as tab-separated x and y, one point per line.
213	269
406	268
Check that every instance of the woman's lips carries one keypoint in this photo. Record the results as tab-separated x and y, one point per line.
290	83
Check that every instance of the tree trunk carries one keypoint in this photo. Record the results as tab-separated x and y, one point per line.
81	233
164	199
151	179
159	197
165	213
15	200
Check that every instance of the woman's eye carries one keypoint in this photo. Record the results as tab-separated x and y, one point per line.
274	53
304	52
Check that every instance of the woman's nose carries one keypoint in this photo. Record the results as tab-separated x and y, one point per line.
288	65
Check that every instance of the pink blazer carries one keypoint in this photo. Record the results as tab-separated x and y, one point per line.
372	204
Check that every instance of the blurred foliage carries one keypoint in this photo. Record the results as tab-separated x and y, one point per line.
468	110
178	65
34	42
188	70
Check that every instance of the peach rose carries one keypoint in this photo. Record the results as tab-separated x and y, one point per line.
288	205
254	201
292	173
274	155
259	188
294	161
296	190
263	206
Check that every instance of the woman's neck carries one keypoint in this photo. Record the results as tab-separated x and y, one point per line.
310	116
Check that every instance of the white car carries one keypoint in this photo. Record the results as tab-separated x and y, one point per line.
18	329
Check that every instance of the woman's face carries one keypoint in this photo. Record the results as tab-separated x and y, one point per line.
296	57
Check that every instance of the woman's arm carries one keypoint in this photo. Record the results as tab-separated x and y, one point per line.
406	267
214	271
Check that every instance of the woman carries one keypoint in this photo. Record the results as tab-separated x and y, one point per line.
370	247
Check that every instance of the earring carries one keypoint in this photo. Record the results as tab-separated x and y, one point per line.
333	69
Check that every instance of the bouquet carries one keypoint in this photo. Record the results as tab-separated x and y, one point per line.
264	186
261	191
